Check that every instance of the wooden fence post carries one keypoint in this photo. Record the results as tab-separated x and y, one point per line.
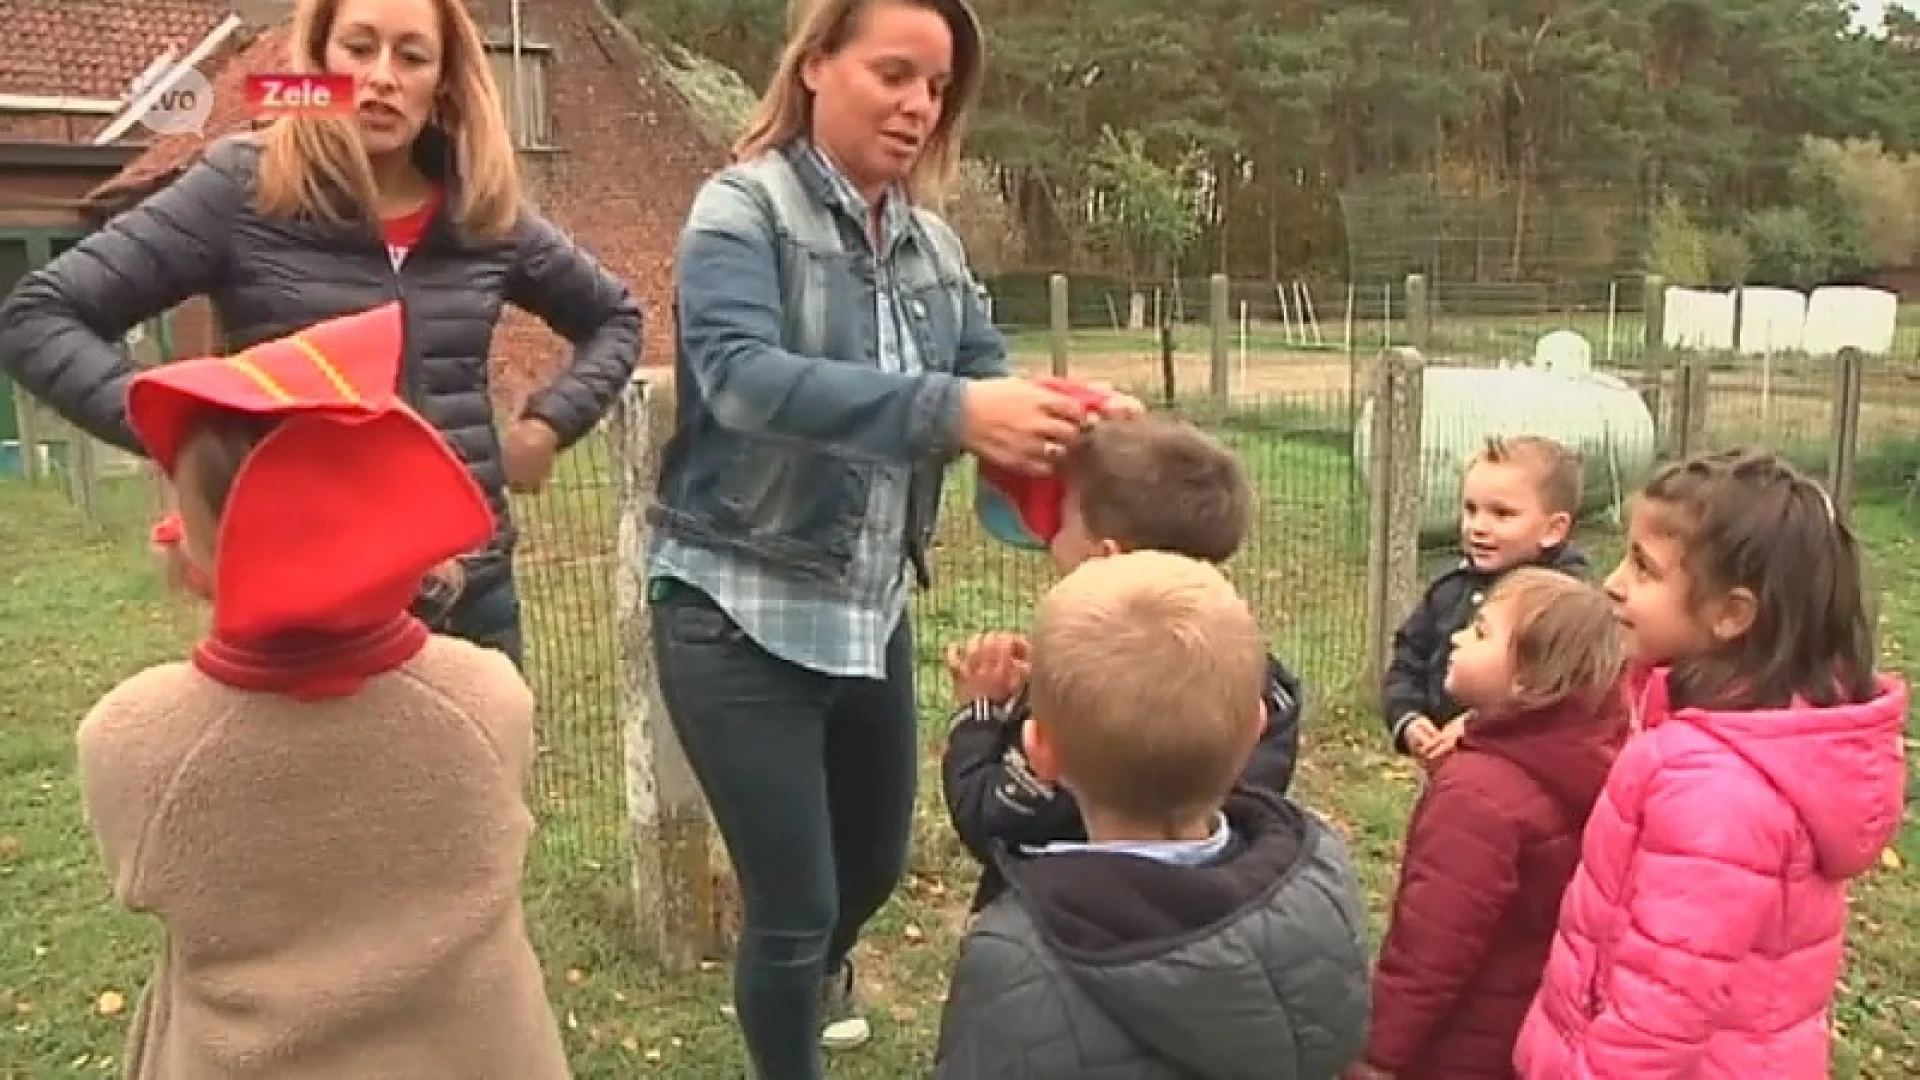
27	414
1219	296
83	474
1849	372
1395	503
1062	327
1653	353
1699	373
1419	312
673	880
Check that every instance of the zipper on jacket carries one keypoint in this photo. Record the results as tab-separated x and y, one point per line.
1604	947
410	390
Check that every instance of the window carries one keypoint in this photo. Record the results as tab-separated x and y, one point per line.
524	99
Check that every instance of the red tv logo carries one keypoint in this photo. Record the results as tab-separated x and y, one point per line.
286	95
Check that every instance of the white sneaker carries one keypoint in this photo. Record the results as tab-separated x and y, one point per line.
844	1027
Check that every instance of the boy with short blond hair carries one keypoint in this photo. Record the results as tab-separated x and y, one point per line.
1518	501
1203	928
1147	483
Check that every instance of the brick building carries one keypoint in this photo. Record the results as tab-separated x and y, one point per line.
611	150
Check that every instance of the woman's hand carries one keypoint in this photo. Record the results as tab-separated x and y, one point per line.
1018	424
527	453
1118	405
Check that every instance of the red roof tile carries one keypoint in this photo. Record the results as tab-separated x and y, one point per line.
168	154
94	48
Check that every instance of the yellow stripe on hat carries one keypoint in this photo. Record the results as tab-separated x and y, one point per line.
340	384
261	379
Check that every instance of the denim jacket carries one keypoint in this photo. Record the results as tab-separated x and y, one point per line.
782	406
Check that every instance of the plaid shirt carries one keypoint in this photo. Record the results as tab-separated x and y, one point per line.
836	628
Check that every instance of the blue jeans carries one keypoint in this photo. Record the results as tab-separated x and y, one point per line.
811	779
489	618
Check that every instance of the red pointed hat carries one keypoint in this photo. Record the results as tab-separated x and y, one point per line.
345	505
349	364
1027	511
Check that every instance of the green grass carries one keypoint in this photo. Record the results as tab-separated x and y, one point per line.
79	611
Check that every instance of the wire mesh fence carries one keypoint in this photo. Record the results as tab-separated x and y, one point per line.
1292	416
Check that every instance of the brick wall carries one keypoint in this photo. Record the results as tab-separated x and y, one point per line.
49	127
629	158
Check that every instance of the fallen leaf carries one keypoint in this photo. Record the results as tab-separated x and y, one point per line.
575	976
653	1057
1890	859
913	934
630	1044
110	1003
10	847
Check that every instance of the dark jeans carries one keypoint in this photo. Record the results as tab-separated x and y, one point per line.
811	780
489	617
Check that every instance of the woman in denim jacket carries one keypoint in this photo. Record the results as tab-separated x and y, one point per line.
834	357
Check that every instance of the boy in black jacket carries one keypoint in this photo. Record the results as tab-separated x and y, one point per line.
1202	930
1517	504
1149	483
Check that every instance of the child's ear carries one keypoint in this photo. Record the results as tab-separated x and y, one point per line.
1107	546
1038	748
1559	528
1732	615
1256	724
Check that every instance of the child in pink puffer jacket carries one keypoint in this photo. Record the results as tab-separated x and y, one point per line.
1703	933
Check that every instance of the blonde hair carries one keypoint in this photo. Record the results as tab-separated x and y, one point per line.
1147	674
307	160
1558	472
823	27
1566	640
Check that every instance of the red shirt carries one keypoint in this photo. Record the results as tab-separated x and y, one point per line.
405	231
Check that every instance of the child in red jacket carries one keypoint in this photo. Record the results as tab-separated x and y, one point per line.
1496	836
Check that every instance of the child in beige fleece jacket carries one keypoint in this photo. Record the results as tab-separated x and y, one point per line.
324	807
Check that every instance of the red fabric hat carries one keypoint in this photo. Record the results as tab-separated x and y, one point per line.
1027	511
343	507
347	364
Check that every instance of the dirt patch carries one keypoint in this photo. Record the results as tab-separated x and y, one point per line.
1265	375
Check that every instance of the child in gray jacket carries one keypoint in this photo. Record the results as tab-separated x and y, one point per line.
1203	931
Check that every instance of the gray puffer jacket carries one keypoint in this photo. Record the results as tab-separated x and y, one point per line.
267	278
1097	966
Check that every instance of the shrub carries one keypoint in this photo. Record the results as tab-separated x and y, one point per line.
1678	246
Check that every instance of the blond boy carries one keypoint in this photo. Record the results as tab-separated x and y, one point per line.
1201	925
1518	501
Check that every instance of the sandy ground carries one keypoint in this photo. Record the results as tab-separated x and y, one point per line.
1266	375
1798	407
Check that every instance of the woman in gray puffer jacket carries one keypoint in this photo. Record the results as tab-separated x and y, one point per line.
415	196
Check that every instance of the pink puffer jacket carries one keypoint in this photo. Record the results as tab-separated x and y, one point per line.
1703	933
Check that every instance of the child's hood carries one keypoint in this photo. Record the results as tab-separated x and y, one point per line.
1223	971
1842	768
1567	559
